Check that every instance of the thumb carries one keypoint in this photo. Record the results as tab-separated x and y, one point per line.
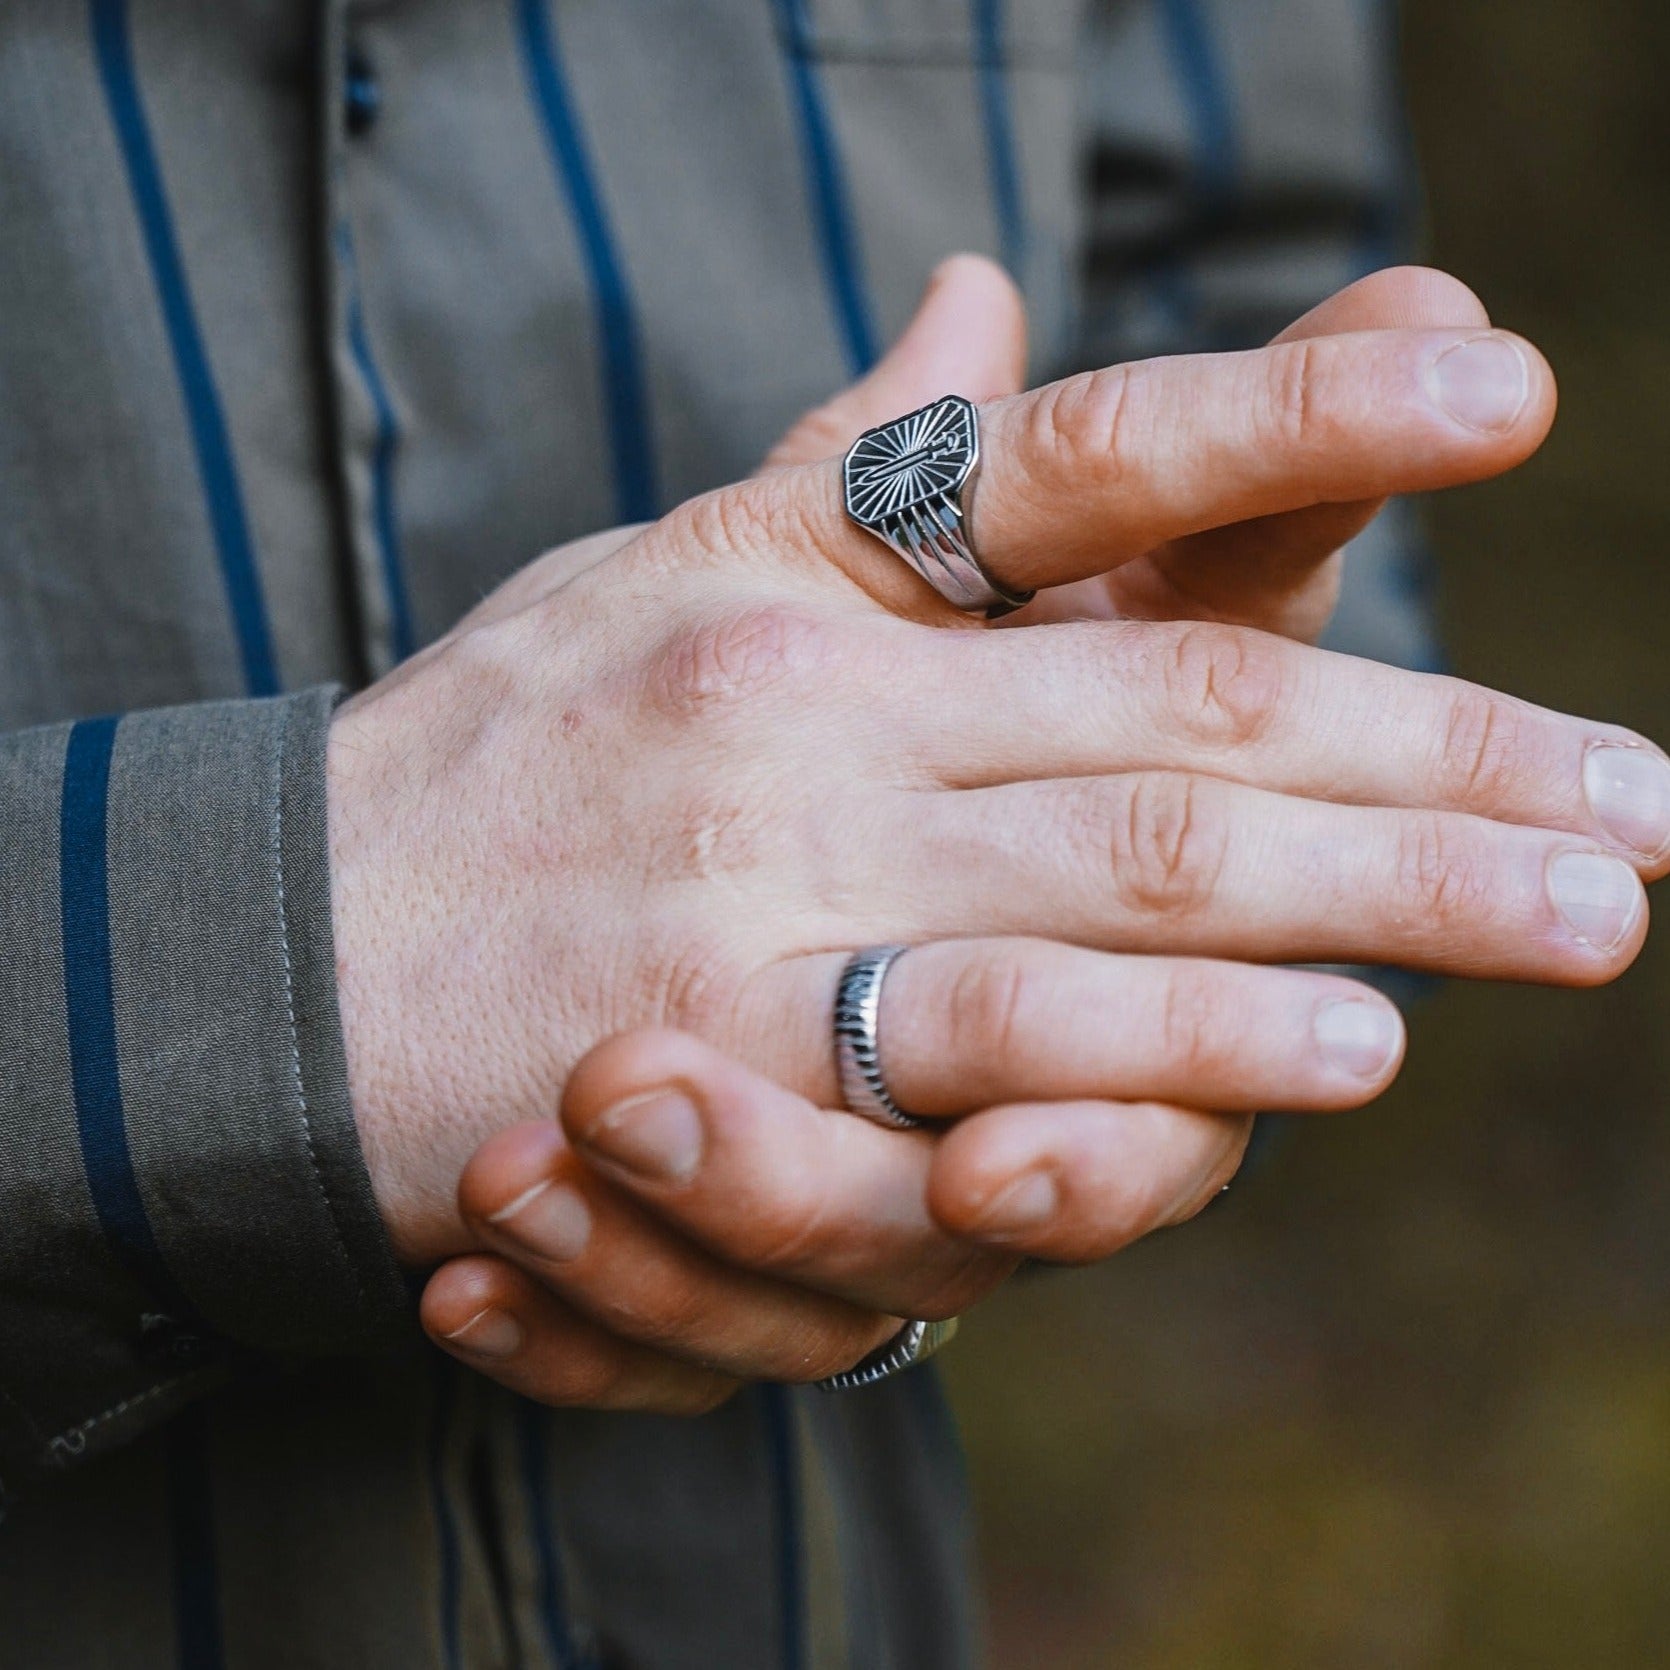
968	337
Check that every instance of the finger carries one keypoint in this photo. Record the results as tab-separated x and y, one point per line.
1169	863
968	337
1082	476
1280	571
967	1024
1069	1182
527	1196
1106	466
1247	706
489	1314
768	1182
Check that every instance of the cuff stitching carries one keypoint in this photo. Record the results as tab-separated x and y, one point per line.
73	1440
290	1012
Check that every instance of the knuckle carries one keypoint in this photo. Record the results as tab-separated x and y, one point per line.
787	1232
788	1220
735	659
986	1011
1191	1023
701	989
1167	847
1082	422
1481	742
674	1316
1438	876
1292	412
1223	684
744	516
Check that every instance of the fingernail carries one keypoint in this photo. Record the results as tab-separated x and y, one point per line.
489	1333
658	1136
1629	791
1358	1035
550	1219
1027	1203
1599	897
1483	383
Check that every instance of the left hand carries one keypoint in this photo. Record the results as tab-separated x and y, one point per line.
791	1240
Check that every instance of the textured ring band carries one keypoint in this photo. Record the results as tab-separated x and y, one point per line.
909	483
858	1038
864	1089
914	1343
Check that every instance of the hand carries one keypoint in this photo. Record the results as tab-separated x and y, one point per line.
665	1308
507	893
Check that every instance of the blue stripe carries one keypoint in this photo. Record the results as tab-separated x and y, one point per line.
1206	92
402	639
1390	232
783	1460
197	1620
626	388
1001	159
113	47
442	1416
90	1011
1215	161
553	1586
826	188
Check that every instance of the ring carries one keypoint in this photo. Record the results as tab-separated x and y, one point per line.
909	482
914	1343
858	1040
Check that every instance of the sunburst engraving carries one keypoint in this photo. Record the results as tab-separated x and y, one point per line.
908	483
916	462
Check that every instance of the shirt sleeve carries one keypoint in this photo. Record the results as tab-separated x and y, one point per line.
1244	162
181	1182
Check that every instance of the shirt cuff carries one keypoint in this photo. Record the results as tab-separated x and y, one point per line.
234	1080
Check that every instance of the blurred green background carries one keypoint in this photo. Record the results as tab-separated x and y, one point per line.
1403	1398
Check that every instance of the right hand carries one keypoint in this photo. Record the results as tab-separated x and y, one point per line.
679	787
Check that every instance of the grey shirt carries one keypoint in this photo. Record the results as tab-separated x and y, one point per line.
317	320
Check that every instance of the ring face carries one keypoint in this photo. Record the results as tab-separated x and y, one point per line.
907	483
904	468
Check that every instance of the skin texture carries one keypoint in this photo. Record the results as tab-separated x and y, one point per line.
523	925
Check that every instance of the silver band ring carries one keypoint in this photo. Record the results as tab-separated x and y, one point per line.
858	1038
909	482
914	1343
864	1089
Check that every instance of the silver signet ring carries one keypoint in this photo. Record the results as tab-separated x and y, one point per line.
910	482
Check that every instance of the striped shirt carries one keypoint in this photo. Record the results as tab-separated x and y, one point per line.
316	320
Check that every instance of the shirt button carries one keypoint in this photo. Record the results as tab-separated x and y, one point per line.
167	1343
362	94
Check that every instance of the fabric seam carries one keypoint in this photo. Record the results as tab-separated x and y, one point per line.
72	1440
302	1108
